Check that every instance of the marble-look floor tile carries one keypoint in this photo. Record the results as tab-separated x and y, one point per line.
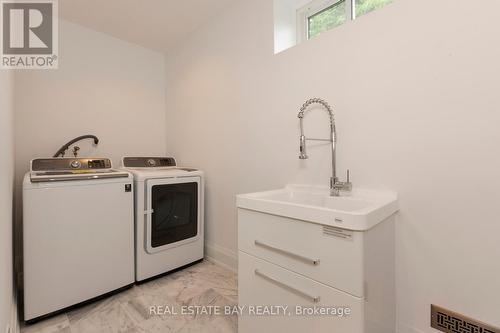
83	312
210	322
186	284
144	311
131	310
107	316
58	324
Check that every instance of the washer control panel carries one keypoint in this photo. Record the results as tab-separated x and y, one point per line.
62	164
99	164
149	162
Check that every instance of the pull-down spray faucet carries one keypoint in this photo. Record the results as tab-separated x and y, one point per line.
335	185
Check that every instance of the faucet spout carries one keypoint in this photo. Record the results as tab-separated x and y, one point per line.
63	149
335	185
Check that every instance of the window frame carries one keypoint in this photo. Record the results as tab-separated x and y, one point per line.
315	7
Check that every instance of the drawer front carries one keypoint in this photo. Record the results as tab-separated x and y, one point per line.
305	248
261	283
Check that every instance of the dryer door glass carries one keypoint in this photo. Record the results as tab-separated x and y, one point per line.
175	216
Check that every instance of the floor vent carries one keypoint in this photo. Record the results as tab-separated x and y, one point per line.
452	322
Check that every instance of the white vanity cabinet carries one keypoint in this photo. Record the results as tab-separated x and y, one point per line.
290	262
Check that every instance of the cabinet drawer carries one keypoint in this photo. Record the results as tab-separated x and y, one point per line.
261	283
305	248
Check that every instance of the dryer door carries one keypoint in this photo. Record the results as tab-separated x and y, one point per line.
173	212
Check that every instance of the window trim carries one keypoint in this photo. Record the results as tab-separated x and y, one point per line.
315	7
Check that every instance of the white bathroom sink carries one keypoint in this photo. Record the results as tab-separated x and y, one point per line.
360	210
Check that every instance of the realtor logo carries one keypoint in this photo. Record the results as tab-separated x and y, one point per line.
29	35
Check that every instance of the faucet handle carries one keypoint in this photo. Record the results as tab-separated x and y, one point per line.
75	150
348	185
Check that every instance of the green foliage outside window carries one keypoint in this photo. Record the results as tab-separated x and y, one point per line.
366	6
335	15
327	19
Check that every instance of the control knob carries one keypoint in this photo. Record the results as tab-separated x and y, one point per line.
76	164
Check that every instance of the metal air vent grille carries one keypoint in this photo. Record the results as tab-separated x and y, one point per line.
452	322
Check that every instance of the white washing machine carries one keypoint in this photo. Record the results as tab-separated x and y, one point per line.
78	232
169	203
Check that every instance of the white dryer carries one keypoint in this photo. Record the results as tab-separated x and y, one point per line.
168	215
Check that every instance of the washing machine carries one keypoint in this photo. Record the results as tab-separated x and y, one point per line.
78	233
169	214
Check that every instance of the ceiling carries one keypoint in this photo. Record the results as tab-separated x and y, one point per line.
154	24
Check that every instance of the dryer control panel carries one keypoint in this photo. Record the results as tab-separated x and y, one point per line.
149	162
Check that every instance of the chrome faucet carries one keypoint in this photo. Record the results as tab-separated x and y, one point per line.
335	185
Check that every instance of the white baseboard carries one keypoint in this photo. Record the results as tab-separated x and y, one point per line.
402	328
222	256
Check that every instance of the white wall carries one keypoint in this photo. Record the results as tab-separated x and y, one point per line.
415	89
104	86
6	194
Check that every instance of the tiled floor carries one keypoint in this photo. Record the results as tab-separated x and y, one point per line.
129	311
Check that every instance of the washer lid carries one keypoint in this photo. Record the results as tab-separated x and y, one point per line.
58	176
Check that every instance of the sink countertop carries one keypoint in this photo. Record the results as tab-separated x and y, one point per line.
360	210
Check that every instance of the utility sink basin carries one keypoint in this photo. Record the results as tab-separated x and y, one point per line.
359	210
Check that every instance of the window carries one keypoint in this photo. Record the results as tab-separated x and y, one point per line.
366	6
322	15
326	19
